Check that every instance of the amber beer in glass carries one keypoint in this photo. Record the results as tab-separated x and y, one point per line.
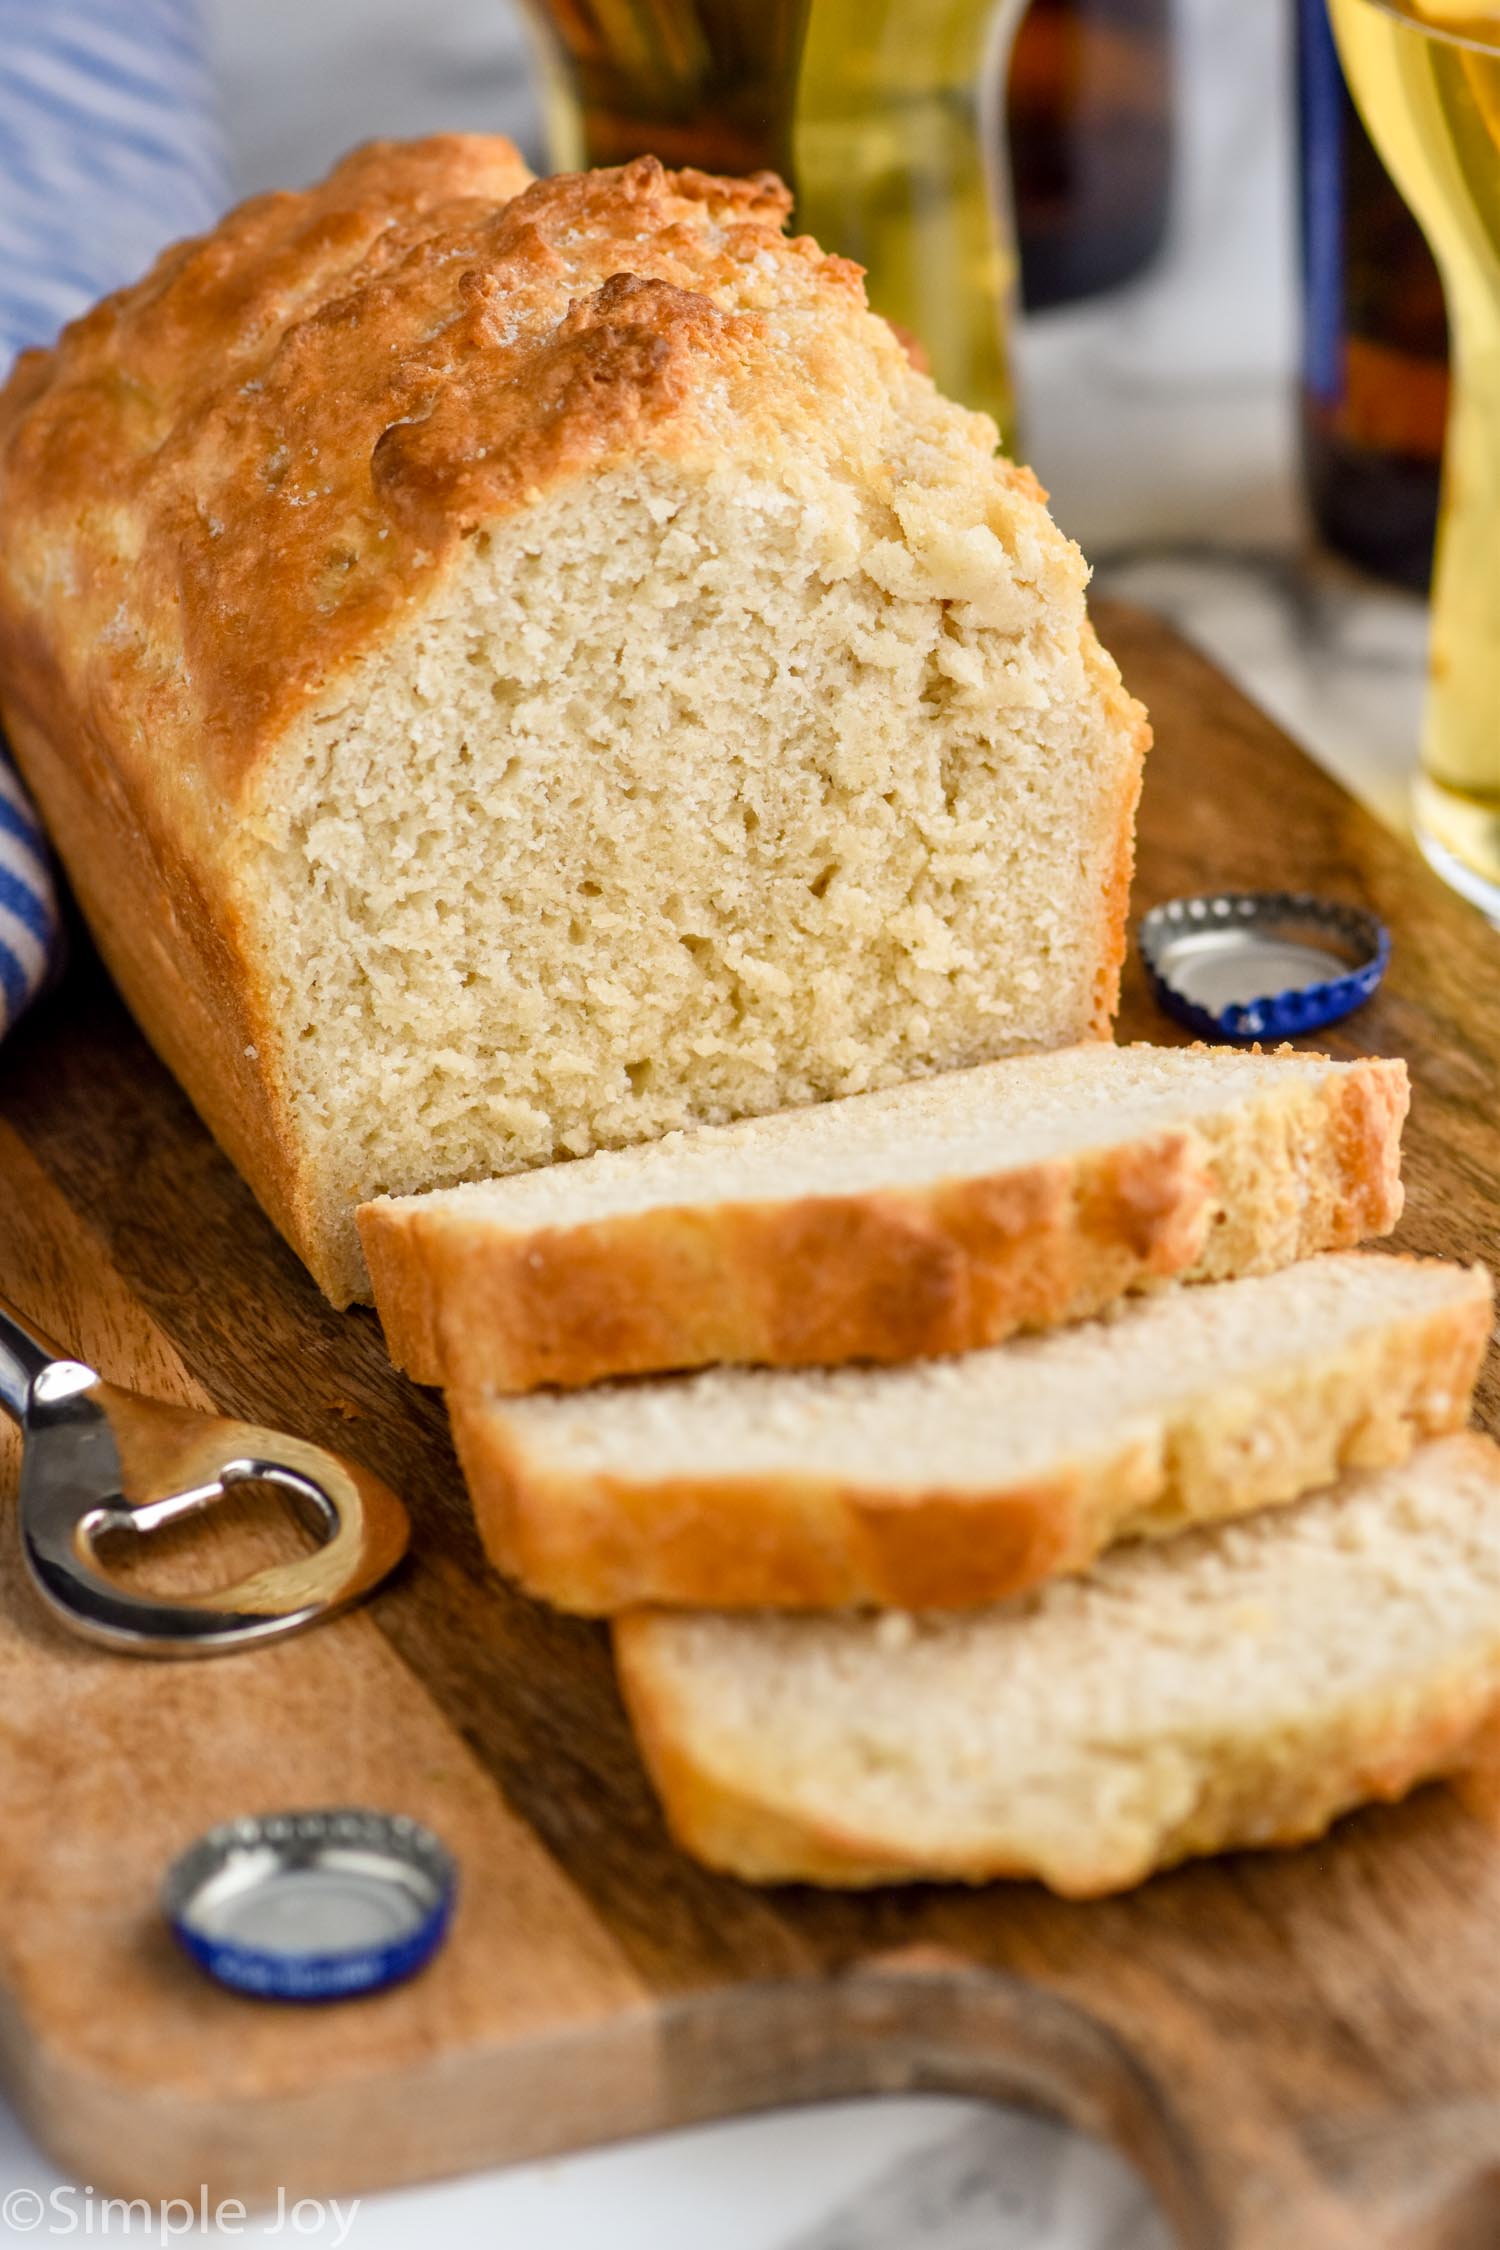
1426	75
704	82
878	114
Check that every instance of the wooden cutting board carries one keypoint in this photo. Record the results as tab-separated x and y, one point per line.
1301	2050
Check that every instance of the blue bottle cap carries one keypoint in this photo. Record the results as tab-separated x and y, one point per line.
1261	964
312	1905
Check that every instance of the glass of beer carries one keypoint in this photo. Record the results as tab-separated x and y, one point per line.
709	83
1426	75
899	163
881	115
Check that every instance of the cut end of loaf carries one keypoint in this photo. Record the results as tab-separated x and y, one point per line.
696	796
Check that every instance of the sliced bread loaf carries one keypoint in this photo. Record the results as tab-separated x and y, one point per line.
932	1217
950	1482
1238	1686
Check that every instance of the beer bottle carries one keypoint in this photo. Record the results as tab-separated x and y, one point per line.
1091	127
1374	337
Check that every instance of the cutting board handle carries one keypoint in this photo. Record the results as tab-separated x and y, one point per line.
926	2020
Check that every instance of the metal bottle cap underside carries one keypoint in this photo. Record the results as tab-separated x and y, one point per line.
1248	965
312	1905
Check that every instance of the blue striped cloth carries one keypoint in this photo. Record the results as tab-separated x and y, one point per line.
110	147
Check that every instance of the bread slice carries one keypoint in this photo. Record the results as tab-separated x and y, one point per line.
951	1482
931	1217
1239	1686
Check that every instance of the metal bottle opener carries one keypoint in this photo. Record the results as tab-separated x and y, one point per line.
100	1459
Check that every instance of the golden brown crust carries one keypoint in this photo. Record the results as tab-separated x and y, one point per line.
178	957
1371	1105
600	1543
887	1275
1135	731
1318	1168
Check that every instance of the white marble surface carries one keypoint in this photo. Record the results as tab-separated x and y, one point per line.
1161	419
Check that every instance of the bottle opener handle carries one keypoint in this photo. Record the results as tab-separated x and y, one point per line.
97	1458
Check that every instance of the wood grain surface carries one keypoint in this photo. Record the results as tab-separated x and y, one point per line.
1302	2051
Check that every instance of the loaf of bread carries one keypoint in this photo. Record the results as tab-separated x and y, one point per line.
1237	1686
953	1482
932	1217
513	669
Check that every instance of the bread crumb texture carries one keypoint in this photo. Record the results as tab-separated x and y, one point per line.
559	672
1239	1685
